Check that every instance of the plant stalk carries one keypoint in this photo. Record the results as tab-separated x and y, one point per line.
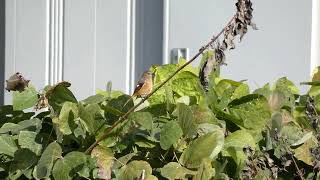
124	117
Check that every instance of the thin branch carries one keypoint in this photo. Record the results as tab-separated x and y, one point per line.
124	117
297	168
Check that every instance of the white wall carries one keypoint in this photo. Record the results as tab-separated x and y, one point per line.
281	46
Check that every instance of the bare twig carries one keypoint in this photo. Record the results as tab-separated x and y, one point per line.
124	117
297	167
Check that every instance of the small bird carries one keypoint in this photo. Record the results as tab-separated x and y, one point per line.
143	87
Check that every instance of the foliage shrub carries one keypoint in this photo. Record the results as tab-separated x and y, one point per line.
181	132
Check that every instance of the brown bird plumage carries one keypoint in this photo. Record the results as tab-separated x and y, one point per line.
143	87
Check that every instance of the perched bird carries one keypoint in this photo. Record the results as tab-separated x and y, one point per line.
143	87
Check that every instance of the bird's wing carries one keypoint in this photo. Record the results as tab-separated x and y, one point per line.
138	87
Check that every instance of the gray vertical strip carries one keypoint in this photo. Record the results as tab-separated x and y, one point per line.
2	49
149	35
55	41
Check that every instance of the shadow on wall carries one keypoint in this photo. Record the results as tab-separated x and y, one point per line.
2	49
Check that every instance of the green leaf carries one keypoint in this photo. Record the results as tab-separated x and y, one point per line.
67	167
254	113
186	84
7	145
234	144
170	134
303	152
283	84
123	160
205	171
305	138
68	113
10	128
264	91
24	159
34	124
240	91
144	142
185	119
95	99
202	114
134	169
25	99
174	170
27	140
105	161
59	94
144	119
207	146
87	118
47	159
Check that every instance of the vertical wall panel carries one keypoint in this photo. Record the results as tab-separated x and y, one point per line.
113	41
2	49
26	40
149	35
96	45
79	46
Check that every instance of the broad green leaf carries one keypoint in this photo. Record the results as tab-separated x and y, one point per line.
234	144
24	159
134	169
186	84
34	124
144	119
69	112
144	142
95	99
105	161
59	94
202	114
27	140
305	138
288	89
10	128
207	146
88	118
264	91
254	113
174	170
283	84
240	91
124	160
25	99
205	128
7	145
170	134
205	171
47	159
292	133
185	119
303	152
67	167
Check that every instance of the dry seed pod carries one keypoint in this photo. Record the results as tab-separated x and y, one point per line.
42	102
210	65
239	25
17	82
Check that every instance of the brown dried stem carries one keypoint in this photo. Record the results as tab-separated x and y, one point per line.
124	117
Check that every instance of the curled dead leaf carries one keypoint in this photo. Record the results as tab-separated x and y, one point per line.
17	82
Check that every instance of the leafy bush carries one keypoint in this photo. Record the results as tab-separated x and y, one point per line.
181	132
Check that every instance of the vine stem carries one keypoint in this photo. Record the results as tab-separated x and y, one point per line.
124	117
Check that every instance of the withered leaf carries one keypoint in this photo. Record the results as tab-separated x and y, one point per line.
42	102
17	82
